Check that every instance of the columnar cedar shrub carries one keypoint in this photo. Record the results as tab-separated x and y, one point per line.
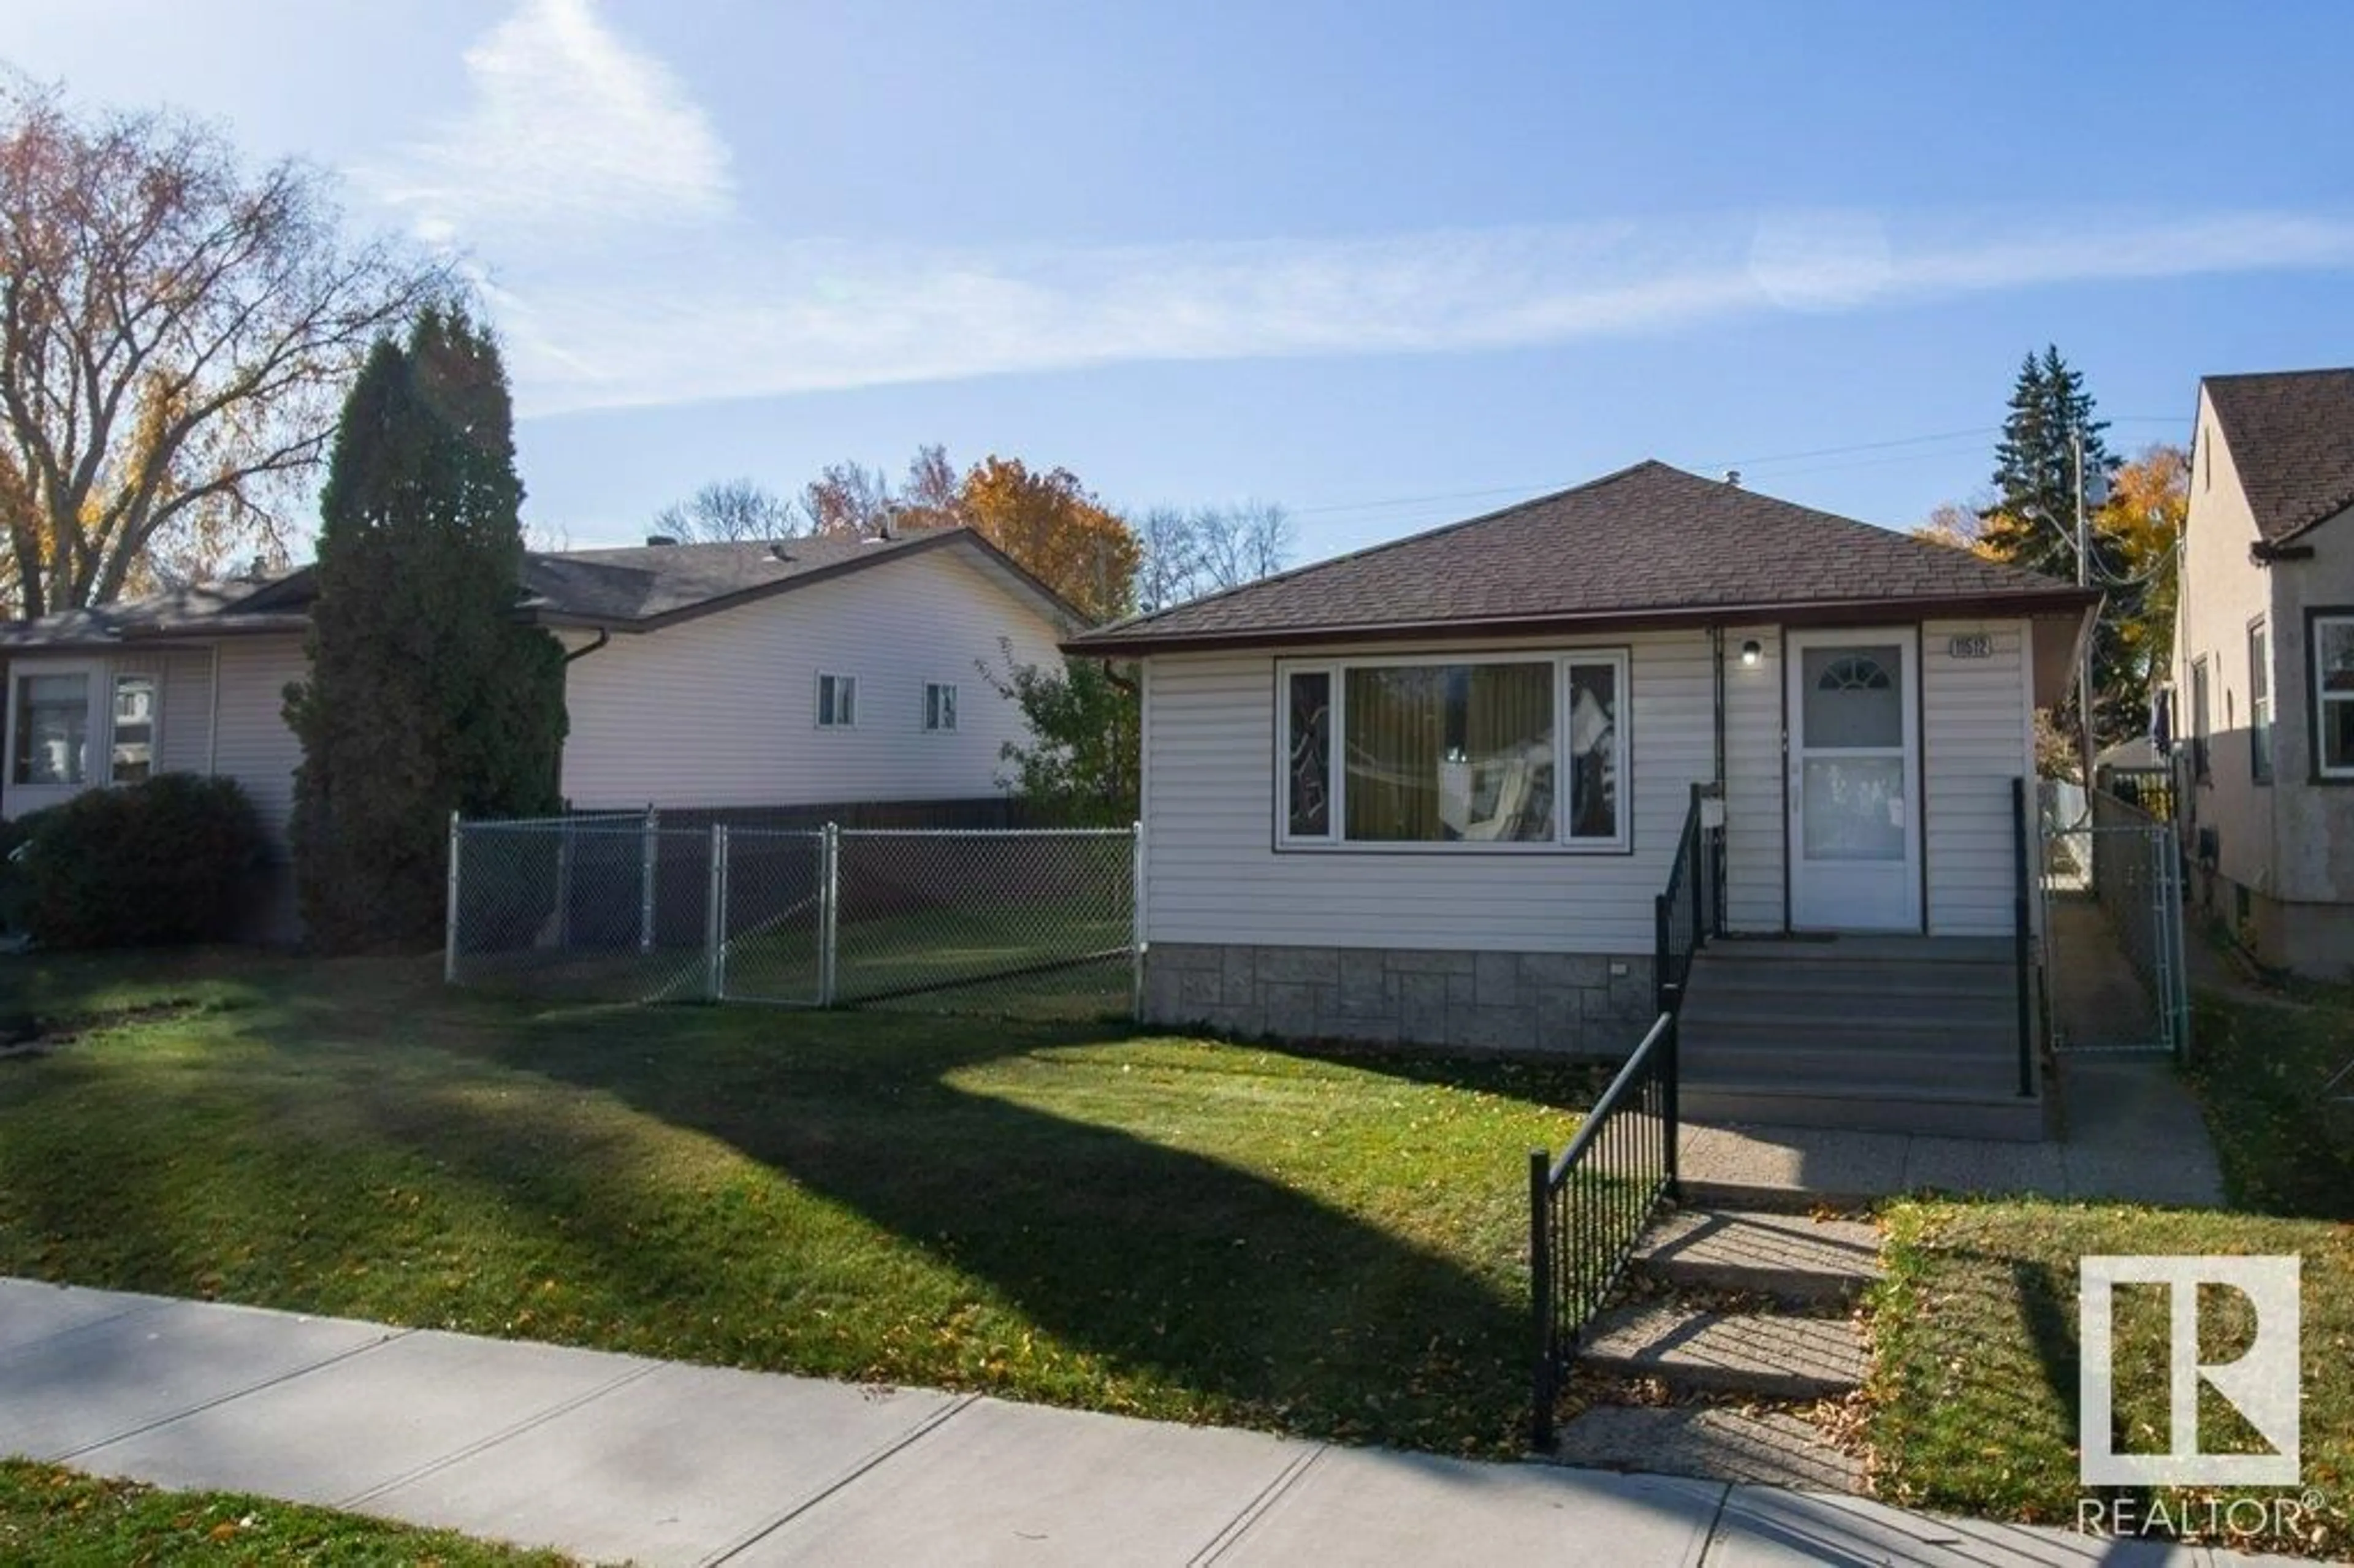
169	860
426	693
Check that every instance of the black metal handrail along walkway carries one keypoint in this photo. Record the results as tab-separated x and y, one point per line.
1691	908
1588	1209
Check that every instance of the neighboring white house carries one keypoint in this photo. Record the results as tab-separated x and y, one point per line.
1432	791
809	672
2263	702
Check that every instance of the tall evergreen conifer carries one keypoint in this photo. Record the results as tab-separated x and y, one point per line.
426	694
2032	524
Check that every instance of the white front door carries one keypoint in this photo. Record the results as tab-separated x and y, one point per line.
1855	781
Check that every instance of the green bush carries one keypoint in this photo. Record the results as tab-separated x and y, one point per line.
170	859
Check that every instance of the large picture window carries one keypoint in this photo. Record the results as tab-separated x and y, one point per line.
1522	752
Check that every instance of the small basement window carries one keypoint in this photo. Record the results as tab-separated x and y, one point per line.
133	755
837	702
939	705
51	745
1521	752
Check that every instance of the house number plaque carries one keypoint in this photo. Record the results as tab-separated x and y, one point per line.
1977	645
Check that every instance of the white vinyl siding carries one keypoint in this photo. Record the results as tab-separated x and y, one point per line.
252	743
1213	874
185	743
721	710
1976	738
1752	783
182	737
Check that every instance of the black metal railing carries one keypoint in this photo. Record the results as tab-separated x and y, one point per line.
1692	909
1588	1209
2022	936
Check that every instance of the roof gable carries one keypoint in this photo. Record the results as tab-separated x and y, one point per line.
1647	540
2292	437
640	588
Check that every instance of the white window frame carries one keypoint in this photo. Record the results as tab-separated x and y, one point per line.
1334	839
2261	736
98	722
2316	623
935	710
842	684
154	679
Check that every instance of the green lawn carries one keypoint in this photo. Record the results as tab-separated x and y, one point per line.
2286	1137
1974	1399
50	1516
1056	1212
1063	959
1974	1403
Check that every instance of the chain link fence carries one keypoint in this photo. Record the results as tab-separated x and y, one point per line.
1028	921
2114	929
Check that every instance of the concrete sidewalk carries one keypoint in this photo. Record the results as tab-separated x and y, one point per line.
612	1456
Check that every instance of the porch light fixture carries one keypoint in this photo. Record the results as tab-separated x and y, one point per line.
1752	654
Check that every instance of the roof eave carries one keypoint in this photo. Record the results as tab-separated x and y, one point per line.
2059	600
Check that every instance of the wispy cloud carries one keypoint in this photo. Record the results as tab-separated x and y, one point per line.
599	192
567	127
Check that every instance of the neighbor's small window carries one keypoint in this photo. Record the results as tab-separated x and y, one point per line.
939	705
2333	695
837	702
2200	723
133	757
2260	700
1510	751
52	739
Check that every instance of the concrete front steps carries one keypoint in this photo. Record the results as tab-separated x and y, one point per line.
1874	1033
1747	1310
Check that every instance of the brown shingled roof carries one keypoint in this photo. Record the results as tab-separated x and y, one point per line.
2292	437
1648	543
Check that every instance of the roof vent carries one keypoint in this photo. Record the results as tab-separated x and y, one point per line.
657	541
1733	477
776	548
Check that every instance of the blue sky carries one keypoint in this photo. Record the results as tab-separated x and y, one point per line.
1387	265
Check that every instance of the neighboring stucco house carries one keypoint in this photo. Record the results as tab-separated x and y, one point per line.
807	672
2263	664
1431	790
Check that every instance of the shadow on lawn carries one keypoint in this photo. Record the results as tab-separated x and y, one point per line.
1172	1268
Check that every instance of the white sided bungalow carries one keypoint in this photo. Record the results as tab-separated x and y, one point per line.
1433	791
803	673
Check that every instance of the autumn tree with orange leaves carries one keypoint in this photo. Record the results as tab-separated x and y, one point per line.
174	335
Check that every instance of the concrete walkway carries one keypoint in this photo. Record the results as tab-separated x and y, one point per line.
612	1456
2133	1134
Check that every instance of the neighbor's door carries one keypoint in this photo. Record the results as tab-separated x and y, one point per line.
1855	781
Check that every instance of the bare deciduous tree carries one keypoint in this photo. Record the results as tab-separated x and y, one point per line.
848	499
1171	572
727	510
1188	554
174	335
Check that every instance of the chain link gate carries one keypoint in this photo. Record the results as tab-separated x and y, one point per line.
1038	921
2113	930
